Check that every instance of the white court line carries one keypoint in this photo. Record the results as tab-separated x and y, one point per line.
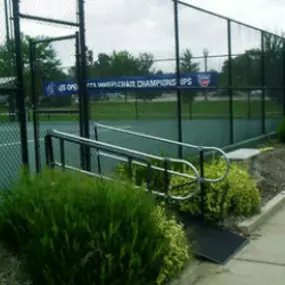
17	143
41	139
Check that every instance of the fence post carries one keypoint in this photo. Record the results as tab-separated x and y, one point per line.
84	98
249	90
178	90
283	77
78	77
230	82
263	85
34	104
20	84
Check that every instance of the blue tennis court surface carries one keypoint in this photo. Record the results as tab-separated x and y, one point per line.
212	132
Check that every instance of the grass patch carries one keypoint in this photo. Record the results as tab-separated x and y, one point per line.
166	110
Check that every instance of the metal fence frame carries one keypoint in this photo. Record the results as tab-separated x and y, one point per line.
36	111
82	76
83	94
230	55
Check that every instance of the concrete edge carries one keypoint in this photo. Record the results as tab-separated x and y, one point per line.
250	225
193	272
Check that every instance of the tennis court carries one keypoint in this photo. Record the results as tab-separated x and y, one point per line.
212	132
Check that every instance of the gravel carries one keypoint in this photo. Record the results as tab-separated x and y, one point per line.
271	167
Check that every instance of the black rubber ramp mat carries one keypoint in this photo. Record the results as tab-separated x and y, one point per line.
213	243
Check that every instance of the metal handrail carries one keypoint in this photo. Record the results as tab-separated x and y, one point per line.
208	148
137	158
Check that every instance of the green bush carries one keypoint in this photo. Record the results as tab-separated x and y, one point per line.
236	195
140	173
281	130
73	229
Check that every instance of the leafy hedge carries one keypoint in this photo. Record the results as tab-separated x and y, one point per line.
73	229
236	195
140	173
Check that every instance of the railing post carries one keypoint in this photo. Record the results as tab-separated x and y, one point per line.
148	176
49	151
230	82
262	84
130	168
178	75
62	154
203	192
166	176
98	154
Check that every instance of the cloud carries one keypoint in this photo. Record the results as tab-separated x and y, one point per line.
148	25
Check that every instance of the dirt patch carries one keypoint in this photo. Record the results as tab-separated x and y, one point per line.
11	271
271	167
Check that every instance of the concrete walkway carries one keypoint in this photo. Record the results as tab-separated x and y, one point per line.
262	262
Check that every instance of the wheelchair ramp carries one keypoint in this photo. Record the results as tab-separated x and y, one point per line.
213	243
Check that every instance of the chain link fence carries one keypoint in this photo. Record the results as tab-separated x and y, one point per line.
51	112
249	101
55	35
249	64
10	140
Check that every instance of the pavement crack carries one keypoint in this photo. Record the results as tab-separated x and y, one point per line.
260	261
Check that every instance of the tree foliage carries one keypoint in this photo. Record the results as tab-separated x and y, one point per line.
247	67
47	64
187	65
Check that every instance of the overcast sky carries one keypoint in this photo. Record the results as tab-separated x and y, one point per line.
147	25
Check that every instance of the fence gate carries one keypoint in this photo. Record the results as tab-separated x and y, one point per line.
49	111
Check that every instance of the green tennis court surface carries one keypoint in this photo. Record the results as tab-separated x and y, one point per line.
212	132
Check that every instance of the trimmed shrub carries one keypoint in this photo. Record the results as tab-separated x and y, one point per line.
73	229
281	130
140	173
235	195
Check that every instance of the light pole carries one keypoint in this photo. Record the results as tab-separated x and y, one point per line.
206	54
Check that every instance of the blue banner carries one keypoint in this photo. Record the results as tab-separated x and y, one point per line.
166	82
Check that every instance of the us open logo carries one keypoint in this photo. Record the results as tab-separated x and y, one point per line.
51	89
204	79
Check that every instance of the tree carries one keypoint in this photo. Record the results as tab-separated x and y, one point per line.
273	57
6	60
145	63
188	66
48	66
186	63
123	63
247	67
